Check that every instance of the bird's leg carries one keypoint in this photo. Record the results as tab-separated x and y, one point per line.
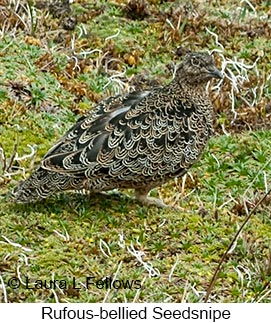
141	195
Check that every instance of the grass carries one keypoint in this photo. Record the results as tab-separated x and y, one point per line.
50	76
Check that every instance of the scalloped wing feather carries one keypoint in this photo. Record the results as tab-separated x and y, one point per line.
141	135
88	134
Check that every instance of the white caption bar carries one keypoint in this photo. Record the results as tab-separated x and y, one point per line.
160	312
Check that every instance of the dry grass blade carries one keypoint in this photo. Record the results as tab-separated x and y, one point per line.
223	258
13	155
2	285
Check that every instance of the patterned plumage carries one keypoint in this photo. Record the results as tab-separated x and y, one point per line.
139	140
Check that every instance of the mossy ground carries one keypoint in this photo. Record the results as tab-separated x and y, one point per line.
49	75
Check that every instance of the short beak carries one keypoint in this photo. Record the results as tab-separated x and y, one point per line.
214	72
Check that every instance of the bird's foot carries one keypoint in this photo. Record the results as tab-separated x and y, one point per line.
152	201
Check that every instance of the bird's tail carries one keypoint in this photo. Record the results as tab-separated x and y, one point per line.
41	184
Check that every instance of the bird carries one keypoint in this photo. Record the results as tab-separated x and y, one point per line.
138	140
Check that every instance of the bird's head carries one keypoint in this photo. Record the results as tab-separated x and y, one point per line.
198	68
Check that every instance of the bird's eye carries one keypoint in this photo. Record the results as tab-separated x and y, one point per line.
196	62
